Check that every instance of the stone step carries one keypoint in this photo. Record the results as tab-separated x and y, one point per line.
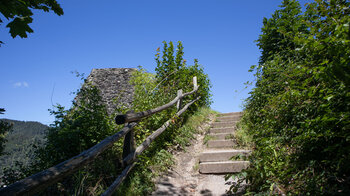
222	130
221	136
231	114
223	124
222	167
221	155
228	118
220	143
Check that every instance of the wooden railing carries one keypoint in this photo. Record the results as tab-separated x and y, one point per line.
43	179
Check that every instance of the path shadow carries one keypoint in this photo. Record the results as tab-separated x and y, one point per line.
206	192
164	187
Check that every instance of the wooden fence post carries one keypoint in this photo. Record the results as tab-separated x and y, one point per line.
129	142
195	86
179	102
194	82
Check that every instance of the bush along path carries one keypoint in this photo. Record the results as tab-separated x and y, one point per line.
201	169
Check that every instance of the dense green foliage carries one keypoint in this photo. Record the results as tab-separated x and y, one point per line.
20	141
19	13
151	91
298	115
87	123
172	73
74	131
79	128
5	127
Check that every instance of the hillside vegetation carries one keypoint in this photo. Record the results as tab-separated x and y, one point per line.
20	141
298	114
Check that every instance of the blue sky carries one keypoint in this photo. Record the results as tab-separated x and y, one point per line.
36	71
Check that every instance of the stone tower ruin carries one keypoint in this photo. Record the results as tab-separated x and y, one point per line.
114	86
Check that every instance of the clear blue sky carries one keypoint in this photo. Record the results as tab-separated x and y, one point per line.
36	71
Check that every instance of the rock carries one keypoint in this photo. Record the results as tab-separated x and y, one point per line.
114	86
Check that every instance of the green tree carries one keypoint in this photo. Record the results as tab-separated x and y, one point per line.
4	129
278	32
297	114
19	14
78	128
173	73
74	130
168	67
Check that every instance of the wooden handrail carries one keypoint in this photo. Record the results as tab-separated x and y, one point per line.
43	179
132	157
132	117
111	189
159	131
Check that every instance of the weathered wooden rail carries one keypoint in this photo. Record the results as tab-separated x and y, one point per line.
43	179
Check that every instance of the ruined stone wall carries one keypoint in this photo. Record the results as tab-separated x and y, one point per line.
114	86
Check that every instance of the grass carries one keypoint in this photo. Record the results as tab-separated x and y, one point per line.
243	139
199	117
207	138
229	137
239	157
196	166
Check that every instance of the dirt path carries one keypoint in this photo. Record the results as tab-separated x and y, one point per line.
185	179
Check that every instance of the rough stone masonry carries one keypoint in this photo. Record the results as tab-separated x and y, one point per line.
114	86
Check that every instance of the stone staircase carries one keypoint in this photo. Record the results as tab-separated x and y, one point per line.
215	159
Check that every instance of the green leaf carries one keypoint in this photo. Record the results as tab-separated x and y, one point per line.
19	27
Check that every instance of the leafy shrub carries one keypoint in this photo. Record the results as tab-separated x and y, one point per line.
72	132
172	73
152	91
298	113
